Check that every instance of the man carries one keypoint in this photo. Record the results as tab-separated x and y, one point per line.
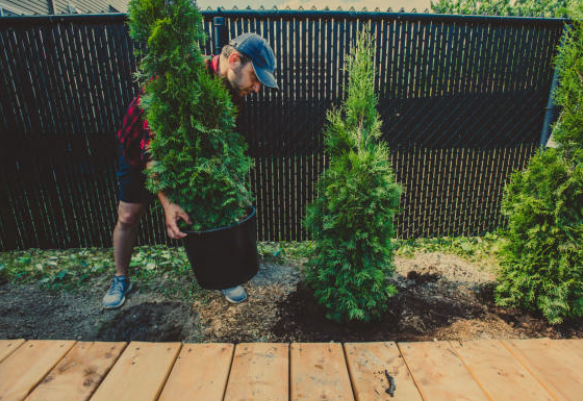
244	65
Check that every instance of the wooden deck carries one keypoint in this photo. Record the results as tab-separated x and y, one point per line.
479	370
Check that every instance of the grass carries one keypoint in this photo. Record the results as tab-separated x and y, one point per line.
481	250
168	271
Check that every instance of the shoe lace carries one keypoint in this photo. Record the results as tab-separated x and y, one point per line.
117	287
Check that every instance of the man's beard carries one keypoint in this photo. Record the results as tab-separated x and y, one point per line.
234	92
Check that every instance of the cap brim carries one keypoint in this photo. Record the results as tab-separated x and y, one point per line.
265	77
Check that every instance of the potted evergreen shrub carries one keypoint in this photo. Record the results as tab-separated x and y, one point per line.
541	256
200	161
351	219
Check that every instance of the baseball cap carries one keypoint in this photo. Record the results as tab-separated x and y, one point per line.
261	55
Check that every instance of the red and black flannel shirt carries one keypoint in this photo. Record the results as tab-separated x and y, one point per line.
134	135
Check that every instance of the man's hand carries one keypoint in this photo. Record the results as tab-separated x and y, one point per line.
173	213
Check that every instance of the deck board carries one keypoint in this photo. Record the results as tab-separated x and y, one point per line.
200	373
554	369
367	363
499	374
22	370
439	373
319	372
139	374
260	372
574	347
538	370
7	347
79	373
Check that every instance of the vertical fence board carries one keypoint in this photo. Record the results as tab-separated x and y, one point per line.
461	98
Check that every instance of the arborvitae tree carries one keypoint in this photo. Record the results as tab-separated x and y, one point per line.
542	252
351	220
200	160
537	8
568	132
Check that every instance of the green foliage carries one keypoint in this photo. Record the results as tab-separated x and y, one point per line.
200	161
568	131
475	249
166	269
542	251
541	255
547	8
55	270
351	219
292	253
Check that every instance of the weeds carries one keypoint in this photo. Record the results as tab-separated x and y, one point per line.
157	267
479	250
167	269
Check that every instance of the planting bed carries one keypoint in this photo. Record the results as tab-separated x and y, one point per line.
441	297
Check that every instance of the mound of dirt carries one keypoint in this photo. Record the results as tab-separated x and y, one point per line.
440	297
151	321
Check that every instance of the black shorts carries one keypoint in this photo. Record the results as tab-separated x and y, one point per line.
131	182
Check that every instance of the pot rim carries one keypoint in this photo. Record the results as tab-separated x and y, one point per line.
211	230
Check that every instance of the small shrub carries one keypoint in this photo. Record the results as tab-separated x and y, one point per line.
351	219
546	8
541	255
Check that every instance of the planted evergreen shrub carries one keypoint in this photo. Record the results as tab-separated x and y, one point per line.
200	161
541	255
351	219
546	8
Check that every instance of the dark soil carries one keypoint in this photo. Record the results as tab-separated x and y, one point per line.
440	297
409	317
413	318
29	312
151	321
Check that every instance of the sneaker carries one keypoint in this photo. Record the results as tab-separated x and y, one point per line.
235	295
116	296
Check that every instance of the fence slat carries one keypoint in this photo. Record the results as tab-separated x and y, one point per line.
462	101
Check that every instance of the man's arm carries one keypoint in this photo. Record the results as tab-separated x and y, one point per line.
172	213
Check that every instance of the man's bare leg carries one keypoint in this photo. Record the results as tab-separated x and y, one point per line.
124	239
124	234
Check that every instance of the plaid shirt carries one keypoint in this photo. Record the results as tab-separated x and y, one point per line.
134	135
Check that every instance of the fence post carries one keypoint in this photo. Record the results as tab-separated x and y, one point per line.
550	110
219	34
550	114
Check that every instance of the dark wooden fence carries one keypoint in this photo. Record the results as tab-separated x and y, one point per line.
462	99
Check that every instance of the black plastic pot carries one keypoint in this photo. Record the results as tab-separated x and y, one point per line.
226	256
